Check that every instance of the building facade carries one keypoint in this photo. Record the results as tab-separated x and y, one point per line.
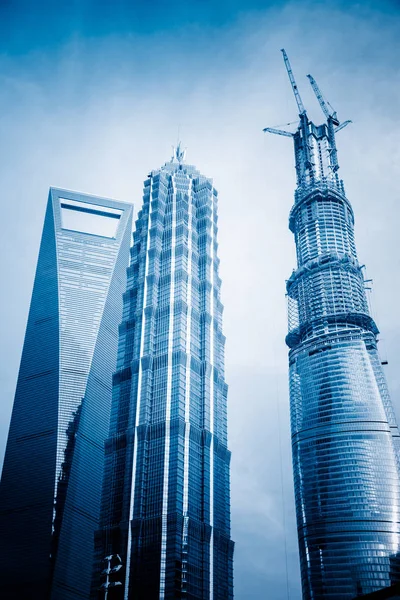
344	433
387	593
52	474
165	520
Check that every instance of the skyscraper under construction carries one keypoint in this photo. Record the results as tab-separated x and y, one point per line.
165	525
345	439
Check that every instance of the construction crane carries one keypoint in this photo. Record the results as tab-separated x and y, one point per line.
278	131
330	114
324	104
302	114
300	106
332	121
302	141
342	125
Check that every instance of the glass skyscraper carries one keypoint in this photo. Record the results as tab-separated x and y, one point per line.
165	519
52	475
344	435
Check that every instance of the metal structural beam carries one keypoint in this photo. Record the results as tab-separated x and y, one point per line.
330	114
278	131
300	105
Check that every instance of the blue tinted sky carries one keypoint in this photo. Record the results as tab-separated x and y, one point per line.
92	96
52	24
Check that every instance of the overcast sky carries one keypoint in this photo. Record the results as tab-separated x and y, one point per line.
93	95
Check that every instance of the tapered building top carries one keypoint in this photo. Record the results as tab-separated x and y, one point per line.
51	482
166	505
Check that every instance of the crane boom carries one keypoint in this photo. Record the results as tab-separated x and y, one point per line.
342	125
297	96
278	131
323	104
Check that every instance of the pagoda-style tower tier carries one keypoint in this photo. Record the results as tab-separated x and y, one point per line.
166	504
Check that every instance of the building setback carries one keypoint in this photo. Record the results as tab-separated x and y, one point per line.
344	434
166	502
52	474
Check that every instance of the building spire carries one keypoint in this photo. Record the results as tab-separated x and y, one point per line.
178	153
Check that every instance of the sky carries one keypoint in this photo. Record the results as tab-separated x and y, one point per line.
92	97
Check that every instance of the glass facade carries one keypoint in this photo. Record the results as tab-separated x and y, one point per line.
344	434
52	474
166	499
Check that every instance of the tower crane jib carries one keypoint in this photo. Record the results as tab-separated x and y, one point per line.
330	114
278	131
300	106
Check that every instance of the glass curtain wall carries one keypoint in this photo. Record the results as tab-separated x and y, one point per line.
52	475
166	499
344	434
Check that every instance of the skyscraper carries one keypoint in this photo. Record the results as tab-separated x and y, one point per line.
51	482
344	435
166	502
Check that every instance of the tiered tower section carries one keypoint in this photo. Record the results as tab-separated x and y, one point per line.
344	433
166	506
